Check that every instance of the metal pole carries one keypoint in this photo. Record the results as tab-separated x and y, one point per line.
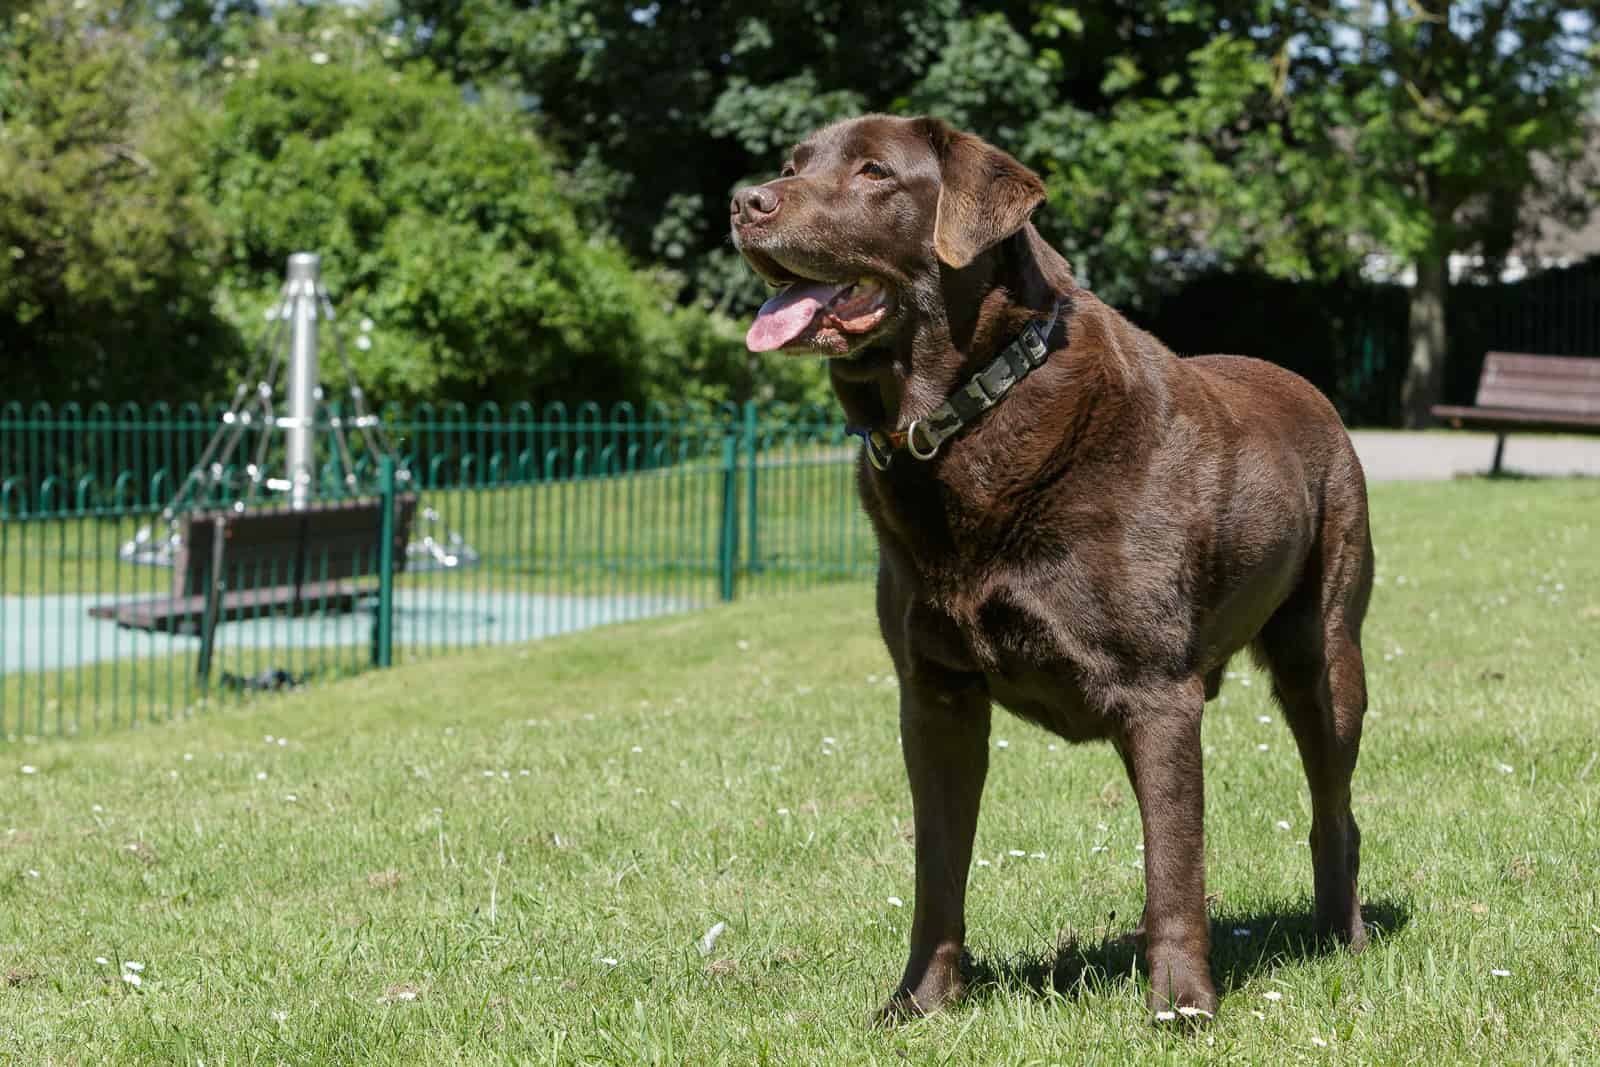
300	425
383	623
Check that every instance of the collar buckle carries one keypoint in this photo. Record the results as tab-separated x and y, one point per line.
911	441
980	393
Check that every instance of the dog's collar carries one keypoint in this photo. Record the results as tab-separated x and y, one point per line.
923	438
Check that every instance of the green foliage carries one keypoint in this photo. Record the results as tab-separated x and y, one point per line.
1178	137
442	221
106	248
486	177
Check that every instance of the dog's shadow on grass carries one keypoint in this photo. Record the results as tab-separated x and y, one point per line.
1242	946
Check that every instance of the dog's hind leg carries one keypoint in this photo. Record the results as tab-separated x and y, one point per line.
1312	647
1160	741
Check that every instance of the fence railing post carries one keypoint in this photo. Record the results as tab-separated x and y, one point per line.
728	535
383	623
752	451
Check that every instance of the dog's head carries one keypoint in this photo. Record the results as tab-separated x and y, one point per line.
857	226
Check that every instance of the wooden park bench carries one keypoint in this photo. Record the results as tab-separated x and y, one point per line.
1523	392
249	564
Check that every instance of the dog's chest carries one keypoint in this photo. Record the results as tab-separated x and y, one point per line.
1036	665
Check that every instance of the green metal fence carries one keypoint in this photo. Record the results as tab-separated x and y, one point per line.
565	520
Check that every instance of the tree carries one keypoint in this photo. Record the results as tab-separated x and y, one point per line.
1178	138
106	249
1451	115
665	108
443	220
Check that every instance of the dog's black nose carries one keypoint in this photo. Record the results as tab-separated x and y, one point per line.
753	204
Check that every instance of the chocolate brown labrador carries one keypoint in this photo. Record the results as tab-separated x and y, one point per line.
1089	550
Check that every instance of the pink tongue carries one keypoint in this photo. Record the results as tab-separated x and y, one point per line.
786	316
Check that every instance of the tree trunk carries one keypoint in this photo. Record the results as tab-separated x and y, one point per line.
1425	334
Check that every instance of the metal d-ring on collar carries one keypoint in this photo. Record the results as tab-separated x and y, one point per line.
925	436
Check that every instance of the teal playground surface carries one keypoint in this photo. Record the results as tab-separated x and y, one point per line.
55	632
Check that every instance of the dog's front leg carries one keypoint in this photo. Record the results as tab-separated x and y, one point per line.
944	730
1161	742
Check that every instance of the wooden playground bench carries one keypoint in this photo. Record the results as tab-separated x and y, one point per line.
1517	391
249	564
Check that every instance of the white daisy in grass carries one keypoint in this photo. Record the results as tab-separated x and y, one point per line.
1272	995
984	863
742	645
188	757
1262	747
132	979
708	940
829	741
280	1016
1264	719
1036	855
1319	1042
609	961
1241	931
290	798
1097	848
1018	852
261	776
1282	824
1506	768
28	768
636	749
97	808
896	902
1500	972
1002	743
1191	1012
132	965
102	961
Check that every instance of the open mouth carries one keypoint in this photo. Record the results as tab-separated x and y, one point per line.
819	315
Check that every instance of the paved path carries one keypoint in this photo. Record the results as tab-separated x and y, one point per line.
1394	456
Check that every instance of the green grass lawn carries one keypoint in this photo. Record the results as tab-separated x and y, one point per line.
511	855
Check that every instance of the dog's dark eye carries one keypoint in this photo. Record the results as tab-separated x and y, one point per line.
875	170
787	171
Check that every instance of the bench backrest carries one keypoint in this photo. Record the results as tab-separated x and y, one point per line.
1568	385
280	548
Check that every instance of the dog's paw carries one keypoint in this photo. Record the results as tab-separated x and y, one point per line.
907	1004
1181	995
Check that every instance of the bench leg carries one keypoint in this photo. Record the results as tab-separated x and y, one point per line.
1499	452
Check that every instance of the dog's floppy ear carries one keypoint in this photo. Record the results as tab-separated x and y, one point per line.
985	196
